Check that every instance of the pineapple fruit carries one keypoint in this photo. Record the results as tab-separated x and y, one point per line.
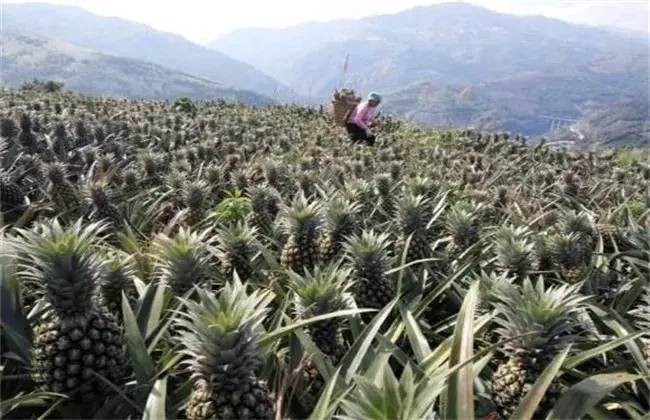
341	221
183	261
302	223
368	256
77	335
219	335
549	315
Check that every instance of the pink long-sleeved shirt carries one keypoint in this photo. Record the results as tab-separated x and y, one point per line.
362	114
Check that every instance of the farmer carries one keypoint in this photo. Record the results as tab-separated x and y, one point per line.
361	119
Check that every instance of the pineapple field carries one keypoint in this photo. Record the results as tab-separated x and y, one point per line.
215	261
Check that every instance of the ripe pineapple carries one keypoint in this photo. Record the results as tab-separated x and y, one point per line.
236	247
261	217
117	277
183	260
195	197
581	224
412	213
566	252
552	315
62	192
463	226
515	252
12	198
384	184
76	335
219	337
368	256
341	221
319	293
301	221
101	207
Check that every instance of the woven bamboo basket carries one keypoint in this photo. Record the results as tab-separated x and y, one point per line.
342	102
340	109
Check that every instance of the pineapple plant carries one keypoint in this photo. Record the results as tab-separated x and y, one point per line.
117	278
318	293
236	248
261	216
219	337
77	335
195	197
412	211
101	207
62	191
642	318
566	252
550	316
515	252
301	222
341	221
183	261
462	224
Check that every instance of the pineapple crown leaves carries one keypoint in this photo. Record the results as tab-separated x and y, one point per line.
460	220
551	314
342	214
322	291
220	332
61	263
184	259
515	252
412	210
580	223
368	251
235	241
387	397
302	217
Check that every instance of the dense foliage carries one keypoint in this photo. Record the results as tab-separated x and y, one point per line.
251	263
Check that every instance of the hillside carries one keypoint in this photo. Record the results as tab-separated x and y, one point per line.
123	38
253	263
622	124
26	57
451	46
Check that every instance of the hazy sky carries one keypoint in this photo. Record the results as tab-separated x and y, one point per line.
203	20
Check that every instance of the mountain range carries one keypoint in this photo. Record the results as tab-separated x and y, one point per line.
116	36
446	64
513	71
27	57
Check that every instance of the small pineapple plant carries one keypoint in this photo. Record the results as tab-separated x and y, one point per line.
301	222
101	207
219	338
550	316
566	252
76	337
